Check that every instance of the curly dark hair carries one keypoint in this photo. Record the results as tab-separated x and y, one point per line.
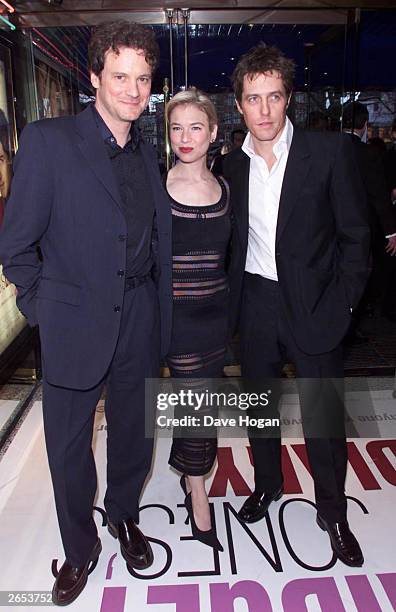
259	60
117	34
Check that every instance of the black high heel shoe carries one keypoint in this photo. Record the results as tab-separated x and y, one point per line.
207	537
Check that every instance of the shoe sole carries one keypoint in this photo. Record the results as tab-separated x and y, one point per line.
127	559
69	601
93	563
323	528
262	514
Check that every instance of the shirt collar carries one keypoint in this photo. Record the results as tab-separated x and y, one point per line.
281	146
107	134
353	134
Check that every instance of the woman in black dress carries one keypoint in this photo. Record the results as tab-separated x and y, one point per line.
201	235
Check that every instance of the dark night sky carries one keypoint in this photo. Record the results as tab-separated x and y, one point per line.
212	47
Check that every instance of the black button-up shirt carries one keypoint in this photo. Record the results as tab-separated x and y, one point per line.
136	197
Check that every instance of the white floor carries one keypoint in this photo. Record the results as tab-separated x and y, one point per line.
277	565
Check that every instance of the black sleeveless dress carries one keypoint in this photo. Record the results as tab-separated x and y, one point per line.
201	237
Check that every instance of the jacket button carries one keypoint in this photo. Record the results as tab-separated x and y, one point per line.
277	253
117	308
122	237
120	272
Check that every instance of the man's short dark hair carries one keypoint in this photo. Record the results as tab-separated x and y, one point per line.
5	138
357	112
318	120
237	131
117	34
260	60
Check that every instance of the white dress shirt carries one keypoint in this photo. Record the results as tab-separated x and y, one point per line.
264	194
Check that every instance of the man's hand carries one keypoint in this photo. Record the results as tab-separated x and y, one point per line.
391	246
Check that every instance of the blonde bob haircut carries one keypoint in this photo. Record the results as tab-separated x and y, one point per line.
195	96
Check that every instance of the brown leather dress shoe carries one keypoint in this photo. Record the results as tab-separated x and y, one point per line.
134	546
70	580
257	505
343	542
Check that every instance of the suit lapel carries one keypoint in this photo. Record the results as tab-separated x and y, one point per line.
240	195
297	168
92	147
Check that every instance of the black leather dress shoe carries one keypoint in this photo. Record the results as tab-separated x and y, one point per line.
343	542
70	580
257	505
135	548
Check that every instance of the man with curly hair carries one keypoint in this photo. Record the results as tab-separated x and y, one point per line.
87	189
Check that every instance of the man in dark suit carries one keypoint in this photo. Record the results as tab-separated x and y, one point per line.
382	215
390	163
389	305
299	265
87	189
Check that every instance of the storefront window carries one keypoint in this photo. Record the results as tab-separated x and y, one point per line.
11	321
54	92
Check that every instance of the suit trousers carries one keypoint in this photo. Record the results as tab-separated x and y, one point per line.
266	343
68	424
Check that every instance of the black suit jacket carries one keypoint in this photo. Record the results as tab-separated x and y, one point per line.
65	197
372	171
390	168
322	237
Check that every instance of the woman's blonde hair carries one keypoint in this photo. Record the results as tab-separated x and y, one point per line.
195	96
